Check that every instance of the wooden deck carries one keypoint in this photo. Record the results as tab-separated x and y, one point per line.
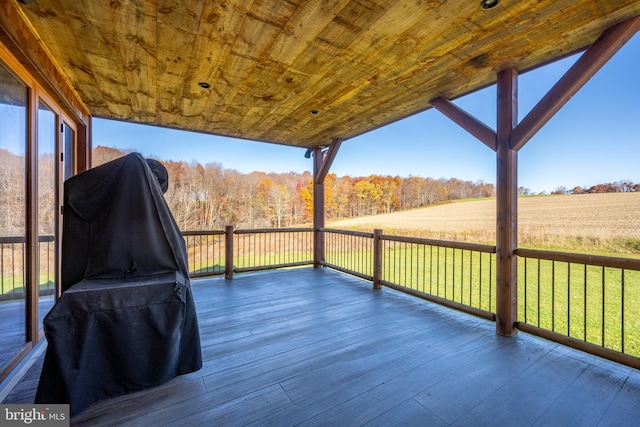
315	347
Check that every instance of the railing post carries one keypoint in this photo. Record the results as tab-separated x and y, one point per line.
377	259
228	252
318	247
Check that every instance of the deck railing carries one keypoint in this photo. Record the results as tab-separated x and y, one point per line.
12	256
583	301
236	251
270	248
350	252
12	266
455	274
205	252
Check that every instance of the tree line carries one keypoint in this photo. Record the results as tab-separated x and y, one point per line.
622	186
204	197
209	196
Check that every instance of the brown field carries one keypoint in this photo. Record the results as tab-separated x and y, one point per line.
606	223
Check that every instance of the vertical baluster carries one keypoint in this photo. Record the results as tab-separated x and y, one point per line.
553	296
526	277
480	280
603	303
622	311
438	272
445	272
471	278
568	299
584	305
431	269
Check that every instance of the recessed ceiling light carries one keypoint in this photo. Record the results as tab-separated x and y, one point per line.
488	4
204	85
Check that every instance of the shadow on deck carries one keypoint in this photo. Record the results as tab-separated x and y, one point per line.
316	347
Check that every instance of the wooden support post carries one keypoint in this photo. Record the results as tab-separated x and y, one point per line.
228	252
377	259
321	165
318	209
507	205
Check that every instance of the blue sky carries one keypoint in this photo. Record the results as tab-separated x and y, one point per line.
595	138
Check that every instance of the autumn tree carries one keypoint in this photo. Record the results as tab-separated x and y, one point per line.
12	194
101	155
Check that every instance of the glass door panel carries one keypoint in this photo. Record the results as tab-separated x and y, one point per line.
47	135
14	97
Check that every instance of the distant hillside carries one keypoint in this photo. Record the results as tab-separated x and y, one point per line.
606	222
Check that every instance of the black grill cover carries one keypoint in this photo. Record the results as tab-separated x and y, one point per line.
126	319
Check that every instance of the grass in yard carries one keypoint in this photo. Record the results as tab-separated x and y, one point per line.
603	224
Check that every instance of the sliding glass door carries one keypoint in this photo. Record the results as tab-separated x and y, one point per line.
37	152
14	102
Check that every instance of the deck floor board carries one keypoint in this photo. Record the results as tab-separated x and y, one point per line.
315	347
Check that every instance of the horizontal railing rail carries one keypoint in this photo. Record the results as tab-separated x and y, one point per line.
22	239
587	302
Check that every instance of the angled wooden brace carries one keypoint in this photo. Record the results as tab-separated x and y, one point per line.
591	61
475	127
323	162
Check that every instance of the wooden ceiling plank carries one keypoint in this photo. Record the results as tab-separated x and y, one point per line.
136	29
248	52
99	43
324	63
308	18
340	32
219	27
261	92
360	63
176	31
387	87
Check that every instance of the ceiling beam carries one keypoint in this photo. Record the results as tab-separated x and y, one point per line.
591	61
469	123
